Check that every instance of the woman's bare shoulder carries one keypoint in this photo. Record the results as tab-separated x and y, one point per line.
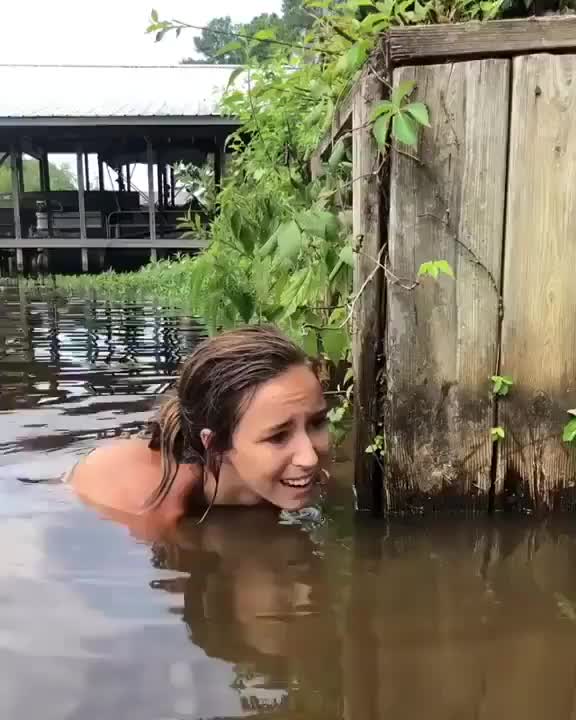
119	455
120	473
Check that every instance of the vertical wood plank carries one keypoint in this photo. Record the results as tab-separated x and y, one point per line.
536	470
442	336
366	344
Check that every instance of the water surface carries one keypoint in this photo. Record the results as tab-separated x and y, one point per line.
326	616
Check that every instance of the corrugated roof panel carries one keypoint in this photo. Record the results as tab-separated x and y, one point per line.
53	91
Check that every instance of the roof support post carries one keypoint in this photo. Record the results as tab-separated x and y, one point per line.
151	206
15	167
172	187
100	173
81	205
87	172
45	187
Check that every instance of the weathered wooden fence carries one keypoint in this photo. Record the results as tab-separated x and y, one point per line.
491	189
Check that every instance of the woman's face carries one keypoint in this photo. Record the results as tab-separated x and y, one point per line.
281	442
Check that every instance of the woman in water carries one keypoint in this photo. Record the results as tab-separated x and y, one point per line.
246	426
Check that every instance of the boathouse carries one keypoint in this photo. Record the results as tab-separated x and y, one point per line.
124	131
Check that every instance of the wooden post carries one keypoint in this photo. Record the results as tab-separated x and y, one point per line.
14	165
45	188
153	255
536	470
100	173
20	260
160	183
442	335
366	347
128	178
20	171
151	206
165	188
172	187
87	172
81	206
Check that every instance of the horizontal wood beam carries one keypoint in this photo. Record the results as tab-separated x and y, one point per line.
463	41
101	243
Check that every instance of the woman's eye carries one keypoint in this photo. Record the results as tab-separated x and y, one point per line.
320	422
279	438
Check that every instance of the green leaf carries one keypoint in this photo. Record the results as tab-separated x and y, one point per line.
497	434
246	238
387	7
336	415
355	4
380	130
229	47
420	11
319	223
404	129
244	303
154	16
433	268
314	116
419	112
266	34
335	344
402	91
384	107
569	434
234	75
289	240
347	255
269	246
236	224
337	155
310	342
352	58
319	89
373	21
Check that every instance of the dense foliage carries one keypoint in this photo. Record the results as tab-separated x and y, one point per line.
61	177
281	247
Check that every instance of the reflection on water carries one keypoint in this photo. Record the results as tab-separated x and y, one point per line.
79	371
247	615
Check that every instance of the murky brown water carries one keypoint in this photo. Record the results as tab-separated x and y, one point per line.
307	618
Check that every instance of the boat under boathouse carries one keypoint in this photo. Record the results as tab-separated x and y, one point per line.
93	159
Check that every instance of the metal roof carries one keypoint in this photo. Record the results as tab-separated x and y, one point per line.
87	94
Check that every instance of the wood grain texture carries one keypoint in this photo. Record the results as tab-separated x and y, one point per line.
429	43
442	337
367	342
536	469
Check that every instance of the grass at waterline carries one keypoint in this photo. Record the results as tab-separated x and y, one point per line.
167	281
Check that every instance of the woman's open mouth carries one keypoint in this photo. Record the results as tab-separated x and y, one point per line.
298	483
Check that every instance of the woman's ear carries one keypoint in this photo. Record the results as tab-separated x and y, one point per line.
206	438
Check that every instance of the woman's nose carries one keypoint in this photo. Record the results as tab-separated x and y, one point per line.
305	455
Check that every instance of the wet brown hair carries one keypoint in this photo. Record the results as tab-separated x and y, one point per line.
215	384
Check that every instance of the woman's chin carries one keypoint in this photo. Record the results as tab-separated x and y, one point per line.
298	501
